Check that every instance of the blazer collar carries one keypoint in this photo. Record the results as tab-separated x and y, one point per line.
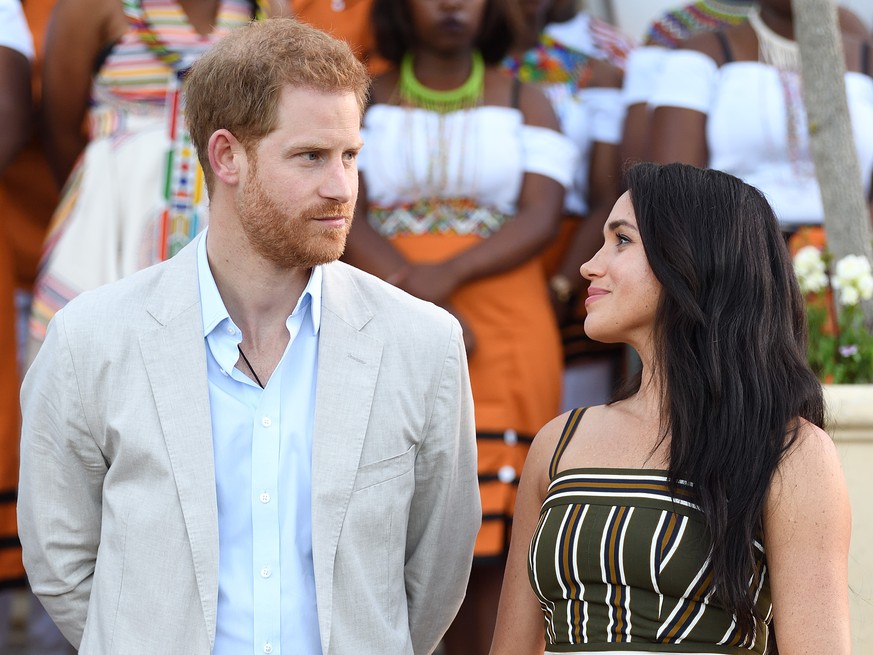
177	289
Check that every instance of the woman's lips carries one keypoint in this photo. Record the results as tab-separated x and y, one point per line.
594	293
451	24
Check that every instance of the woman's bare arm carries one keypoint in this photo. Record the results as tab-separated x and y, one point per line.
807	525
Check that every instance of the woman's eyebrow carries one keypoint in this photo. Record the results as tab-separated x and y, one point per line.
620	222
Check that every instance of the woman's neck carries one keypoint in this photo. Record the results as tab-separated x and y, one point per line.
781	23
440	71
534	26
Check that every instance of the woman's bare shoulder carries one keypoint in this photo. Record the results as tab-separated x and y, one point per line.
809	471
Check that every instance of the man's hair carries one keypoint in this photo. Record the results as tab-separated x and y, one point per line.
236	85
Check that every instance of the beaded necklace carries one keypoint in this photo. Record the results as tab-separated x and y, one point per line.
550	62
440	130
784	55
468	95
774	49
703	16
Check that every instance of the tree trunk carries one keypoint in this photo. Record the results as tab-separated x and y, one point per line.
846	214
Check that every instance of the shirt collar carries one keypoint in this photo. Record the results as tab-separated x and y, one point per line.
214	312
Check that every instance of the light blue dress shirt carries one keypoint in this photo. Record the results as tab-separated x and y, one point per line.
263	475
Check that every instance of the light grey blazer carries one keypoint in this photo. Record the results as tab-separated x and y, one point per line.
117	502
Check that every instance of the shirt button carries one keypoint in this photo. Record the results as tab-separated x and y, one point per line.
230	330
266	422
510	437
265	572
265	497
268	647
506	474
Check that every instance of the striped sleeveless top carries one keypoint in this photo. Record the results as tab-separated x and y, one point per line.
619	562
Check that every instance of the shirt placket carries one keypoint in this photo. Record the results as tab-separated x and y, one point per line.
266	569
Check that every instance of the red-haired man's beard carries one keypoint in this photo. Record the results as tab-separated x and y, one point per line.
288	238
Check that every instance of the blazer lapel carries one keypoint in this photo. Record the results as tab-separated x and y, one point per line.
348	366
175	360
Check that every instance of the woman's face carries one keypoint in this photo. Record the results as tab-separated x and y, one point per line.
623	293
446	26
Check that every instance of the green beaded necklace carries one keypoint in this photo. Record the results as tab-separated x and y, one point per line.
414	93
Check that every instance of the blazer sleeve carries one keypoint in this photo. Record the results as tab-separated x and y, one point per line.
446	512
61	477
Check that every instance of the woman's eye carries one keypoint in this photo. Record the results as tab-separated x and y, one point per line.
622	239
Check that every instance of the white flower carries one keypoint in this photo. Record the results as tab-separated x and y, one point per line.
849	296
854	280
809	267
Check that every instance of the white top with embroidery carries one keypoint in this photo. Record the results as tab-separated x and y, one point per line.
756	126
478	154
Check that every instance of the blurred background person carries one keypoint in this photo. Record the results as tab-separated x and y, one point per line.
462	186
577	60
16	53
733	101
348	20
134	193
28	196
670	31
644	65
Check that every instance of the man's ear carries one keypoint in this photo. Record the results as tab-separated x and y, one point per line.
226	155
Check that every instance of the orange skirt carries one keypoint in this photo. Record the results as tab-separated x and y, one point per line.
515	372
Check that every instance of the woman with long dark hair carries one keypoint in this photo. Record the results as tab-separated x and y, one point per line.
703	510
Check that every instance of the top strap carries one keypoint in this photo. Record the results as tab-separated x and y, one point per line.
725	47
515	93
567	434
865	58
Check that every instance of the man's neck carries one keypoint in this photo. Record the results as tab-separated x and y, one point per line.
258	295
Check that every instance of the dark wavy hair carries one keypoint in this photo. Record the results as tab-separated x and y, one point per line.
392	26
730	351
